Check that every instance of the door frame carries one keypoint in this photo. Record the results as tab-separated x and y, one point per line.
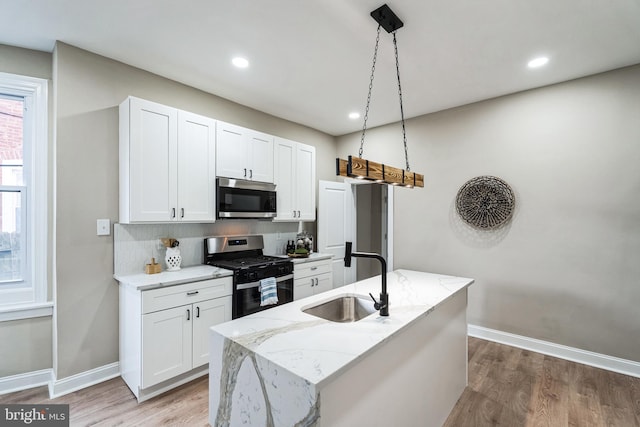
387	214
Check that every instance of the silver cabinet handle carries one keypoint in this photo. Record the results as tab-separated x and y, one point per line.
188	314
191	293
181	212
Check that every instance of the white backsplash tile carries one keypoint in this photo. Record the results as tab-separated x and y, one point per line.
136	244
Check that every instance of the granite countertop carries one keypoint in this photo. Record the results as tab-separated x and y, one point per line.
194	273
315	349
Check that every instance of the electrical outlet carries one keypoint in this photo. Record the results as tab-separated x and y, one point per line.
104	227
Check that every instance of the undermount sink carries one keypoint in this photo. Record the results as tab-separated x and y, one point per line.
343	308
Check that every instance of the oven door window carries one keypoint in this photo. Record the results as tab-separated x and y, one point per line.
247	301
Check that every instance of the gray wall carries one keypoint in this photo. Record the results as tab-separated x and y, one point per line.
26	344
89	89
566	269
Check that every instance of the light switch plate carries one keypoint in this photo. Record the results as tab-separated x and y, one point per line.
104	227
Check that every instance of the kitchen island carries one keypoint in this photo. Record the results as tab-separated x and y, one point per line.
284	367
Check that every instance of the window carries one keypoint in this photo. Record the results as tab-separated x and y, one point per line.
23	194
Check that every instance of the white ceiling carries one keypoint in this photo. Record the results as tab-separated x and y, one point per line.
311	60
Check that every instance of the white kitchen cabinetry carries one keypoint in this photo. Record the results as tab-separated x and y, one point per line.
167	164
311	278
244	153
164	333
295	179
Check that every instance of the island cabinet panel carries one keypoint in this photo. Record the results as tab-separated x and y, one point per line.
244	153
164	332
311	278
167	164
295	179
419	375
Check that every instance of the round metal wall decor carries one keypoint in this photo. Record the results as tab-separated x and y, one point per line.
485	202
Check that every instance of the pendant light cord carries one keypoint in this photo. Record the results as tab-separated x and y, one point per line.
404	132
366	110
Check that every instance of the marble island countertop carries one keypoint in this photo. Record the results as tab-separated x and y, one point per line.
316	350
194	273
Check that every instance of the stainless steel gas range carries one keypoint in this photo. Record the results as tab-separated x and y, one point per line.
244	256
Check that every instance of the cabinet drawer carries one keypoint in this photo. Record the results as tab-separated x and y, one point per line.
188	293
313	268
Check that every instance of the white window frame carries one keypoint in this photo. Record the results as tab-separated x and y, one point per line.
35	92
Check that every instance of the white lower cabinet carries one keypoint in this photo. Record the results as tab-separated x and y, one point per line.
311	278
164	333
166	345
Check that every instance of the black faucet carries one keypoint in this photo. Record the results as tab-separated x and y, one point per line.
383	305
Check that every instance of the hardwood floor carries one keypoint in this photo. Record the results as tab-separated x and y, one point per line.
507	387
512	387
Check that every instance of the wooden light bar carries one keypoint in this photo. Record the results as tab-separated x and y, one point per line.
355	167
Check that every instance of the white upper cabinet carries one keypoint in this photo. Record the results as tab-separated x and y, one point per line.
295	179
167	164
196	167
244	153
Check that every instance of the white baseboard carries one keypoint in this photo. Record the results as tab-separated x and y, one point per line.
25	381
82	380
610	363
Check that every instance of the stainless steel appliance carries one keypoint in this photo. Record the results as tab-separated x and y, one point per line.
243	255
237	198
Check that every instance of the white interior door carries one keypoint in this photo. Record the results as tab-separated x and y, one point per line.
336	225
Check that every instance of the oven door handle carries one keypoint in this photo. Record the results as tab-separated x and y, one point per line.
256	284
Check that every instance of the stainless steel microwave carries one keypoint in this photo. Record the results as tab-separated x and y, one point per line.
237	198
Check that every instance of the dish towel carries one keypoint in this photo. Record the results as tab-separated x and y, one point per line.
268	291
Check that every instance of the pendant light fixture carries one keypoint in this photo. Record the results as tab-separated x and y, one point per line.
357	167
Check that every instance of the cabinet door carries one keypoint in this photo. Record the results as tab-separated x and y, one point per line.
207	314
303	288
324	282
166	344
196	167
232	151
305	180
153	152
284	178
261	156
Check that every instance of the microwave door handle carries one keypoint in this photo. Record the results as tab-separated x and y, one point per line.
257	283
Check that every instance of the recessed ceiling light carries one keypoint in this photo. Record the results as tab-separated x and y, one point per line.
354	116
240	62
538	62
